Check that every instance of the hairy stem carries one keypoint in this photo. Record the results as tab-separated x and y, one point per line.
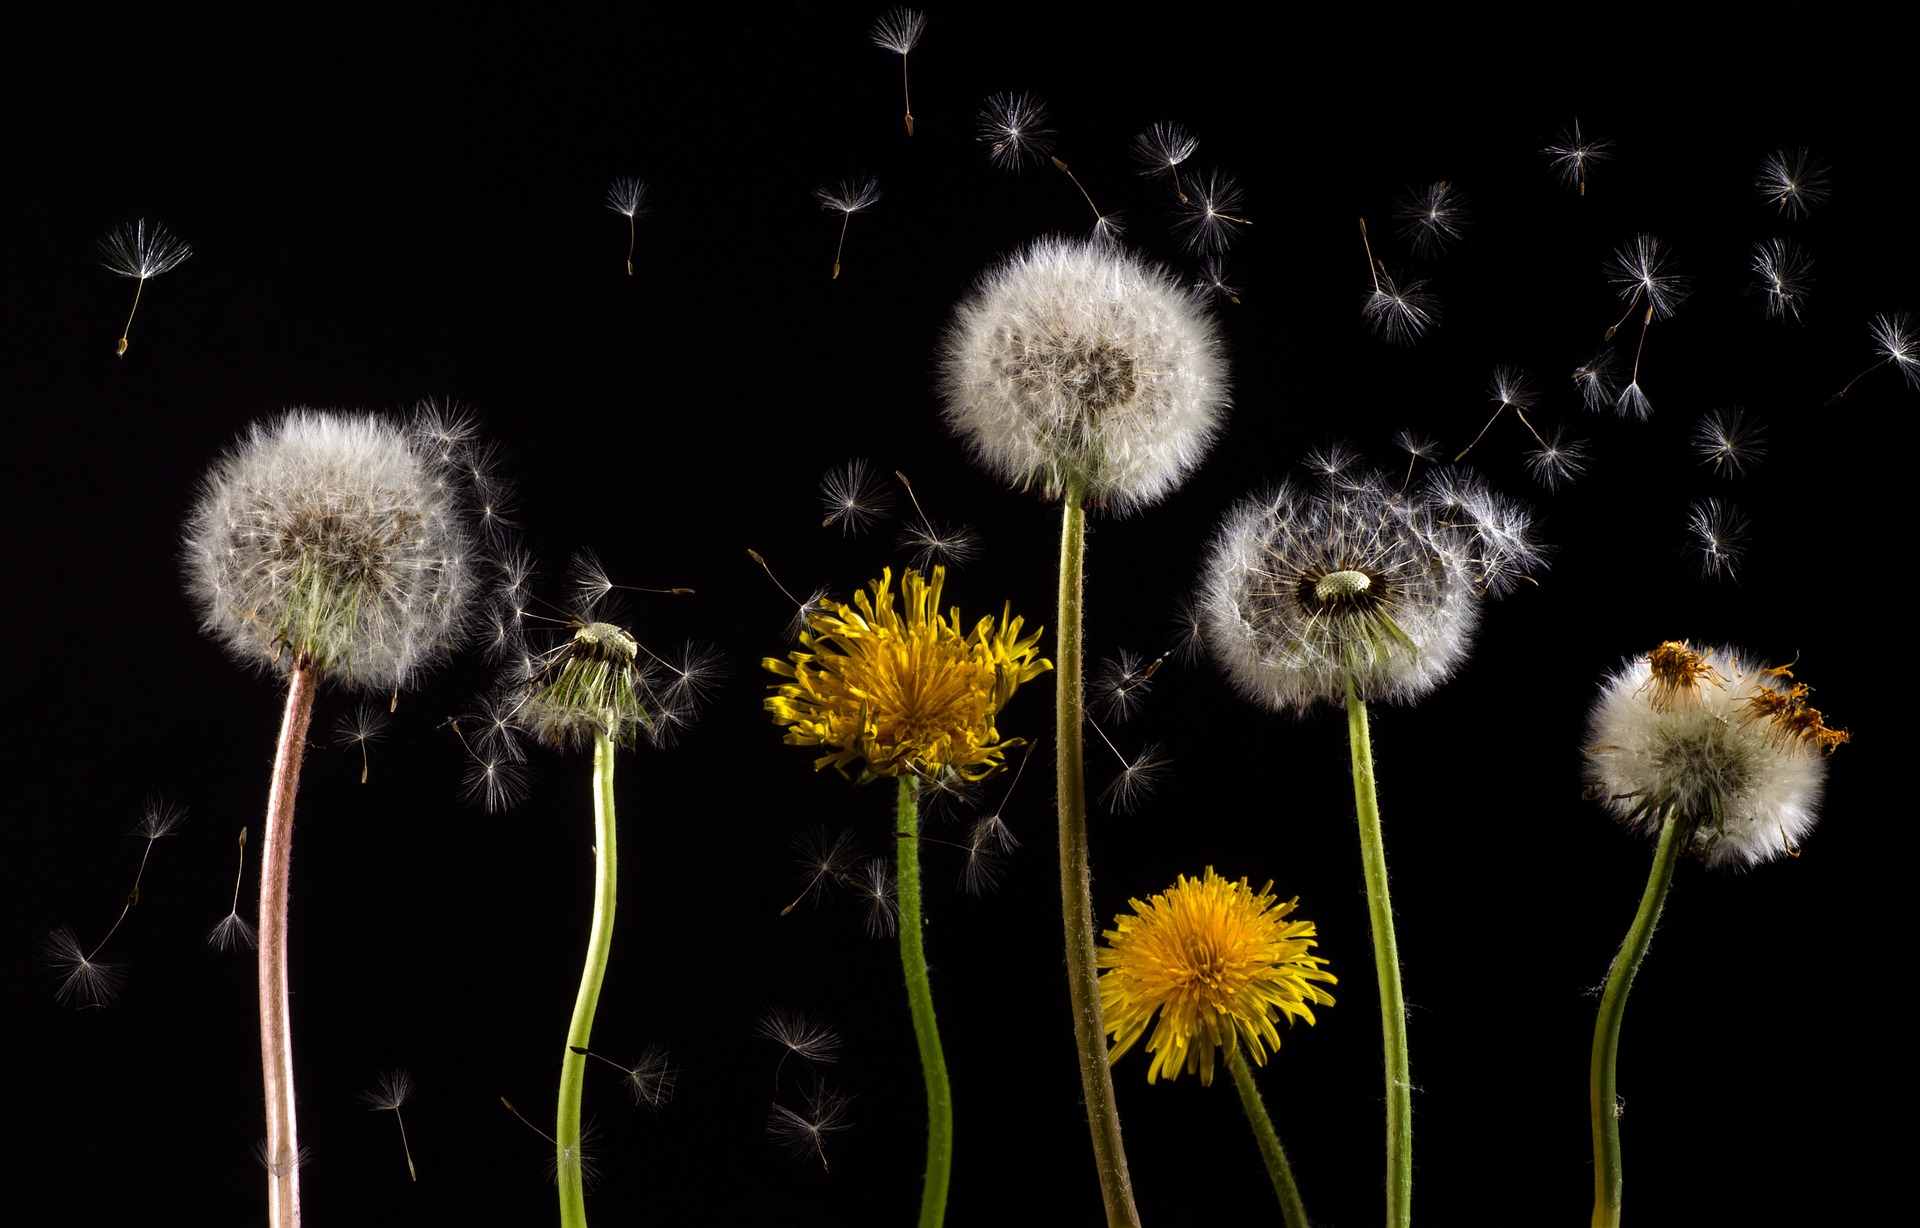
1386	968
1292	1210
1602	1098
933	1062
276	1026
573	1065
1076	878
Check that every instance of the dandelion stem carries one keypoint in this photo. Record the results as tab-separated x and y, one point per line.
1386	967
573	1065
276	1032
1292	1210
913	960
1601	1110
1076	877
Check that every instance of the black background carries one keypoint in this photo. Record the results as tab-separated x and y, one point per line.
388	209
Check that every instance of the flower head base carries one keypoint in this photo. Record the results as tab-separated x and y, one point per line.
593	683
1362	583
343	541
1216	961
1078	366
1730	751
904	691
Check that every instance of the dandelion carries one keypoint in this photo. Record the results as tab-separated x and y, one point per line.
1122	682
650	1081
390	1091
1781	273
1571	157
853	497
1432	218
849	197
1643	269
234	931
1510	388
1719	533
1711	752
627	197
1219	965
140	250
1086	371
1348	593
1595	381
328	546
1161	149
805	1133
1792	179
827	860
899	31
1558	460
1213	280
1728	442
1014	129
84	979
365	726
1107	227
878	890
1399	311
1894	340
935	543
813	1041
912	694
1208	216
1139	776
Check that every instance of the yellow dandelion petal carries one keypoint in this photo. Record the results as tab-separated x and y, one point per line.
899	691
1215	960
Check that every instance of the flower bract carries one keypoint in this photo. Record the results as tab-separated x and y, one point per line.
887	691
1215	961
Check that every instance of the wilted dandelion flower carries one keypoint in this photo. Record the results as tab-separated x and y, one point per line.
1218	963
141	250
1014	129
1080	368
1306	591
889	692
1730	747
1792	179
1781	272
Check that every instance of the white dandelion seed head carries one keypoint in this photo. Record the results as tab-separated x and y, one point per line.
1432	218
343	539
1711	755
1643	268
1571	157
1893	340
1306	589
1400	311
1781	273
1076	365
1210	217
1558	461
1793	180
1014	129
1728	442
1719	533
1595	381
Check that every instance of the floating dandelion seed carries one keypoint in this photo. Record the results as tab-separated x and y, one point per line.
848	197
496	775
390	1091
1558	460
1432	218
875	886
84	980
1595	381
1209	214
140	250
575	1162
1893	340
1398	311
650	1081
805	1133
899	31
1218	963
1107	227
1510	388
1138	777
1161	149
853	497
1642	268
932	544
1781	273
366	725
1121	682
1213	280
1792	179
1571	157
234	930
990	840
627	197
1728	442
814	1041
1418	448
1014	129
827	860
804	610
1719	532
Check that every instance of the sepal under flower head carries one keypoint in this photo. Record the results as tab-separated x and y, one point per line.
1730	747
889	691
1078	366
1219	963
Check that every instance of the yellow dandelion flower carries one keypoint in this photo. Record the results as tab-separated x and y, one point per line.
903	691
1214	960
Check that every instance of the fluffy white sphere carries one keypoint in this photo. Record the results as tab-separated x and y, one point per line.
1076	364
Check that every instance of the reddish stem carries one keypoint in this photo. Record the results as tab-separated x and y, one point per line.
276	1033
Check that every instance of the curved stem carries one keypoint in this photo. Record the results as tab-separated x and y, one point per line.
1292	1210
1602	1100
573	1065
1386	969
913	961
276	1029
1076	878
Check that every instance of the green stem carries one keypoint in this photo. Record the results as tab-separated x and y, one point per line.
1292	1210
276	1013
573	1065
933	1063
1076	878
1386	969
1601	1100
